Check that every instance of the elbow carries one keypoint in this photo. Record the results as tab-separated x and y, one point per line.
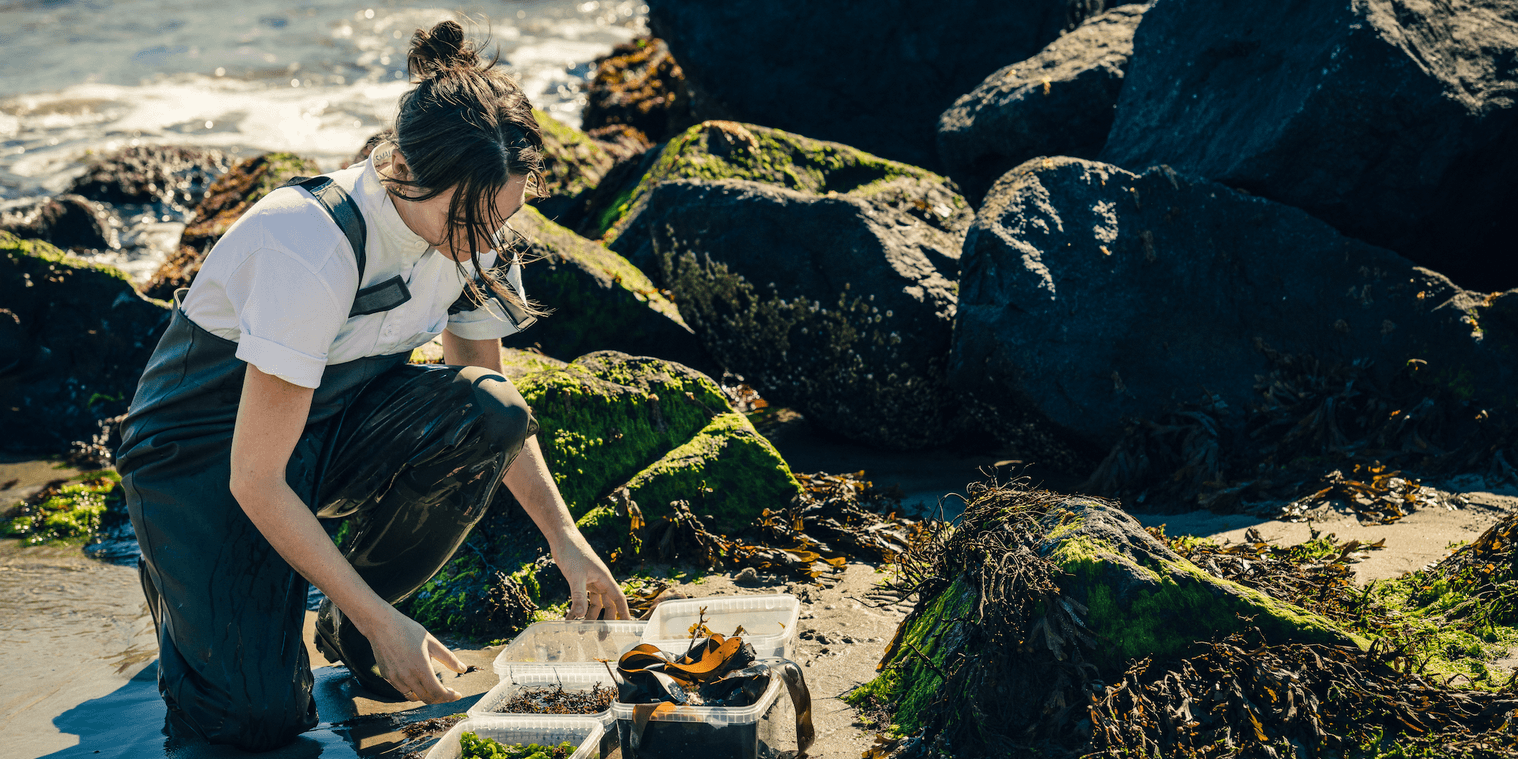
245	485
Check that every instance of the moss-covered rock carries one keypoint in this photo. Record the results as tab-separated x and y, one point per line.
1050	591
717	150
638	86
609	422
1144	600
573	164
77	336
225	201
599	300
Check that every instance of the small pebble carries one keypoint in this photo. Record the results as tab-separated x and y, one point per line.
828	607
747	575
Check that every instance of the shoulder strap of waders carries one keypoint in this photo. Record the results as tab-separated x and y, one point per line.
344	211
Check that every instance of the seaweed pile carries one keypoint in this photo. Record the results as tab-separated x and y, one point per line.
1018	673
834	519
1362	428
559	701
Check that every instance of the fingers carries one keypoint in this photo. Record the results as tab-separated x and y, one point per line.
594	612
436	650
577	603
619	603
426	688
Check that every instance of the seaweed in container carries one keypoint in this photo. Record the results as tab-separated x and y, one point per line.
473	746
715	672
557	700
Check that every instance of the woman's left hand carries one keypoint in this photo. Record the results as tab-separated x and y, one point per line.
592	589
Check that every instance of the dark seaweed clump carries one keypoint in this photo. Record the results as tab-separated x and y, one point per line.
557	700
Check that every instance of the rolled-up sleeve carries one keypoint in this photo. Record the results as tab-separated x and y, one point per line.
288	316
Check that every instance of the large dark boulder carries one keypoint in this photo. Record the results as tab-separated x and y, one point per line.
599	300
837	306
727	150
1089	294
1393	121
1059	102
172	175
873	75
224	203
68	221
76	337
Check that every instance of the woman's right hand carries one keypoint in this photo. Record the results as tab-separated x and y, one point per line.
404	651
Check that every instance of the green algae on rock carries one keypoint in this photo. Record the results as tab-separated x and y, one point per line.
573	164
66	512
228	198
1033	601
77	336
599	300
609	422
717	150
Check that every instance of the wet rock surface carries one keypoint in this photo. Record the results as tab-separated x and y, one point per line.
1392	121
81	336
225	201
1058	103
717	150
67	221
573	164
638	86
1090	294
840	307
599	300
875	77
171	175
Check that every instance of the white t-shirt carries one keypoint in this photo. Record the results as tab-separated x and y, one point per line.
281	281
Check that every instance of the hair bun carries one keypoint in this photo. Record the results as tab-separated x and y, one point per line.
439	49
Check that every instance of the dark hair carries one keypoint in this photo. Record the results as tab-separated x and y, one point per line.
461	114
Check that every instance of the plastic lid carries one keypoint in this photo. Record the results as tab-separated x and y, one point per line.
570	644
769	621
582	731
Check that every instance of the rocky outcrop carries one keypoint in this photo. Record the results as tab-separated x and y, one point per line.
651	431
838	306
77	337
172	175
599	300
1089	294
1076	591
573	164
1059	102
875	76
718	150
640	87
67	221
226	201
1392	121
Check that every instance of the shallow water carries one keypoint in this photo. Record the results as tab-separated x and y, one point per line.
317	77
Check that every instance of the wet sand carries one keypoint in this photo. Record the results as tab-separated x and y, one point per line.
80	655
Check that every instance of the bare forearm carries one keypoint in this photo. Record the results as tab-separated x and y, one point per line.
530	481
297	535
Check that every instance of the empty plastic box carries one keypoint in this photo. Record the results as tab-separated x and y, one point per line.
769	622
585	733
570	645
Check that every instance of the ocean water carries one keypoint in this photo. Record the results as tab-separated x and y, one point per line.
79	78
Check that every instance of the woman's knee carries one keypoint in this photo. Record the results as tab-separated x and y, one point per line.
502	408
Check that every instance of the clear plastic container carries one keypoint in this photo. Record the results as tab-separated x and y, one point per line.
763	730
519	677
584	732
769	622
570	646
